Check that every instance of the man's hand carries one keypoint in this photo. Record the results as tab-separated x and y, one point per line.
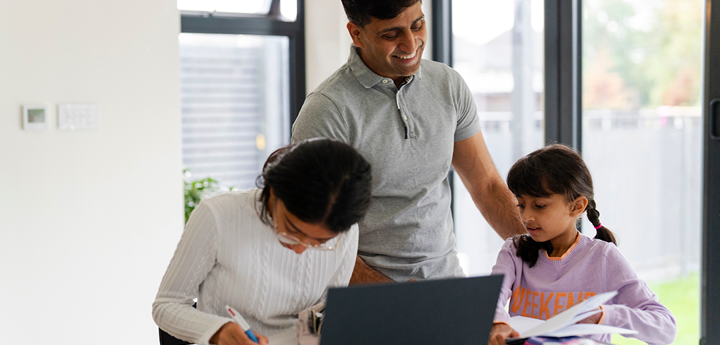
500	332
363	274
231	334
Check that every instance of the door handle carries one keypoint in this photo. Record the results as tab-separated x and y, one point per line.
714	121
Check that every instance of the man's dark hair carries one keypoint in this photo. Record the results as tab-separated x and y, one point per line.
320	181
361	12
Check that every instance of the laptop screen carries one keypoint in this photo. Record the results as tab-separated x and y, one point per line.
449	311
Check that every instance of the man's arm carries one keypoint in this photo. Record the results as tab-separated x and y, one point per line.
473	163
363	274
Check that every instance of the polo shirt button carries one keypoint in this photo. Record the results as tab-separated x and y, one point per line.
405	117
385	81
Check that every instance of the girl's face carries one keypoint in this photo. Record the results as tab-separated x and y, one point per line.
551	218
308	233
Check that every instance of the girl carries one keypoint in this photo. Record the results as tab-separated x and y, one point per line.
269	252
554	267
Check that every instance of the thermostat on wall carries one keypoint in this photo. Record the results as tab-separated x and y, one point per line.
34	117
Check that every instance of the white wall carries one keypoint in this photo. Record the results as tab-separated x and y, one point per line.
88	219
327	41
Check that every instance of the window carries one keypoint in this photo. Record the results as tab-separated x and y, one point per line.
234	104
497	47
242	79
623	83
642	140
287	8
258	7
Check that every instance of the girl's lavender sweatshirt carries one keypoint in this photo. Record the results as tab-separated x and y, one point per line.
588	268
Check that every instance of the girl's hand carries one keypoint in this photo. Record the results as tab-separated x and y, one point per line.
499	332
231	334
593	319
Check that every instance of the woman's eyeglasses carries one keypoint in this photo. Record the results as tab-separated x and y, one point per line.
288	239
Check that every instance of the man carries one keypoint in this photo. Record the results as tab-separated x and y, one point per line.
411	119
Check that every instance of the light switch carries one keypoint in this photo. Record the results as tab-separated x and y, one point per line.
73	116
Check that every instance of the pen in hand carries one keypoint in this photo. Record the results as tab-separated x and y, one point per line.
240	321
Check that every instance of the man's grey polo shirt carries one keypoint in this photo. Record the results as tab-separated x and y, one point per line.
408	135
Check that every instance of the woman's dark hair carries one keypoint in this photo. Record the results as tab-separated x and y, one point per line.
320	181
555	169
361	12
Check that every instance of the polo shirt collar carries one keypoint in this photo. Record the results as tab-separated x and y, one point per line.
365	75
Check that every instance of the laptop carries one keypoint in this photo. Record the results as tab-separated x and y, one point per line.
454	311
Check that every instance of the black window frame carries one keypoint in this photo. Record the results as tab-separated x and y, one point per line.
563	76
268	24
442	48
710	281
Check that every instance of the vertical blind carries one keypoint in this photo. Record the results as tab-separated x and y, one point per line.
227	82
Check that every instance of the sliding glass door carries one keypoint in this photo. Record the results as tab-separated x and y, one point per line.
642	98
634	86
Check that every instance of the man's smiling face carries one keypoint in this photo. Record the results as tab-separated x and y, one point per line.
392	48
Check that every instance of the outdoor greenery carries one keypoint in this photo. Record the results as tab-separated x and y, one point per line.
682	297
641	54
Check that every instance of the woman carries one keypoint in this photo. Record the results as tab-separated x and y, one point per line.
271	252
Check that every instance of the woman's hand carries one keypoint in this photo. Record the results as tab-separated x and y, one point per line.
499	332
593	319
231	334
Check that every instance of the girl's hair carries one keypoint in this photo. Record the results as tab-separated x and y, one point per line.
320	181
555	169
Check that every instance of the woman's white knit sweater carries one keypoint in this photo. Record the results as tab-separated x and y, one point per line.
228	256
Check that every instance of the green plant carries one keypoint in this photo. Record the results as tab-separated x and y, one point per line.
196	190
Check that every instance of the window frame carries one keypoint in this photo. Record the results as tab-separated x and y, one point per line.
563	76
710	266
442	48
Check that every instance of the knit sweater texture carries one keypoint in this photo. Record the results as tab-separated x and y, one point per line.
227	256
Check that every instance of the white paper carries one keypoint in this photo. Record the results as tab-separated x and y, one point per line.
588	329
564	324
523	324
585	315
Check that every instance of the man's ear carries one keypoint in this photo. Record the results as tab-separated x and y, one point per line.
578	206
355	33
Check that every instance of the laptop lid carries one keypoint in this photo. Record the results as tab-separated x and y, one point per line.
450	311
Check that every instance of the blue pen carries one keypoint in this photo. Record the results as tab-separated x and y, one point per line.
240	321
